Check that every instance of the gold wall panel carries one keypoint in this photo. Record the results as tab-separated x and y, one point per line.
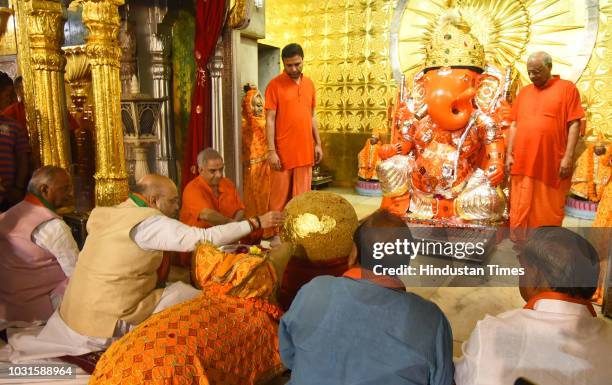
347	47
595	84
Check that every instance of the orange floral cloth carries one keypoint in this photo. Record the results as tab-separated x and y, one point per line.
227	335
368	160
603	217
256	176
592	174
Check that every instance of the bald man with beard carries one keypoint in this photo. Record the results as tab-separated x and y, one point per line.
113	287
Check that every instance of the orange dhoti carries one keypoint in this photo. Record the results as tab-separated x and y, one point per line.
534	204
256	188
287	184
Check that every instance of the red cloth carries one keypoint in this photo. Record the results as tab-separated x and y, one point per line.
288	184
300	271
16	111
542	117
294	104
209	21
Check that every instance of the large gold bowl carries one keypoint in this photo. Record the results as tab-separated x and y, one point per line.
320	225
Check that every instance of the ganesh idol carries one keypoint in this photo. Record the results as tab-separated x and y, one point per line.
445	162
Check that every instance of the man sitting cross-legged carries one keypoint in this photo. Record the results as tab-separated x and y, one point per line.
365	329
113	287
38	251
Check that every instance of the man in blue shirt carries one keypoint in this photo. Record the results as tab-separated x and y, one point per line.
350	330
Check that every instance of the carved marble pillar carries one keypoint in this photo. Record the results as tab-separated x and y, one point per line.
159	47
45	30
127	42
101	18
215	67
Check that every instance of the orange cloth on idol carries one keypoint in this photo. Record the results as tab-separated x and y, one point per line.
256	175
294	105
288	184
542	117
592	174
198	195
368	160
227	335
603	217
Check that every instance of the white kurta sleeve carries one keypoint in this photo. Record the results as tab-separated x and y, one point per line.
55	236
166	234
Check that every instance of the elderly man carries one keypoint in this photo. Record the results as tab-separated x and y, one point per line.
365	329
113	286
210	199
556	338
546	124
38	251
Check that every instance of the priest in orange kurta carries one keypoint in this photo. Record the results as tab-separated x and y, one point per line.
293	138
542	140
210	199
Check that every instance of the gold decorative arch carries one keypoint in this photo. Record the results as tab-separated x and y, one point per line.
508	29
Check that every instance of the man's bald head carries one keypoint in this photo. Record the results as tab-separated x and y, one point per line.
160	192
53	184
539	67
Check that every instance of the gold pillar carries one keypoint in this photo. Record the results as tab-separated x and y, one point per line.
101	17
23	59
45	22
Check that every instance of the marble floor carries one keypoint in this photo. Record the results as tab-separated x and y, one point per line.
463	306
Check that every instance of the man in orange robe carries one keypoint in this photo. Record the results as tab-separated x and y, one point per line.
291	126
546	125
210	199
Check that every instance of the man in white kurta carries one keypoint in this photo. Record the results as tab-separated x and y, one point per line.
113	286
556	338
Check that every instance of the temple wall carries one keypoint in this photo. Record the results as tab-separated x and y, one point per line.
249	69
346	44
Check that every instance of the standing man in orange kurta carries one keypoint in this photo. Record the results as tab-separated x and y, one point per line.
291	127
546	125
